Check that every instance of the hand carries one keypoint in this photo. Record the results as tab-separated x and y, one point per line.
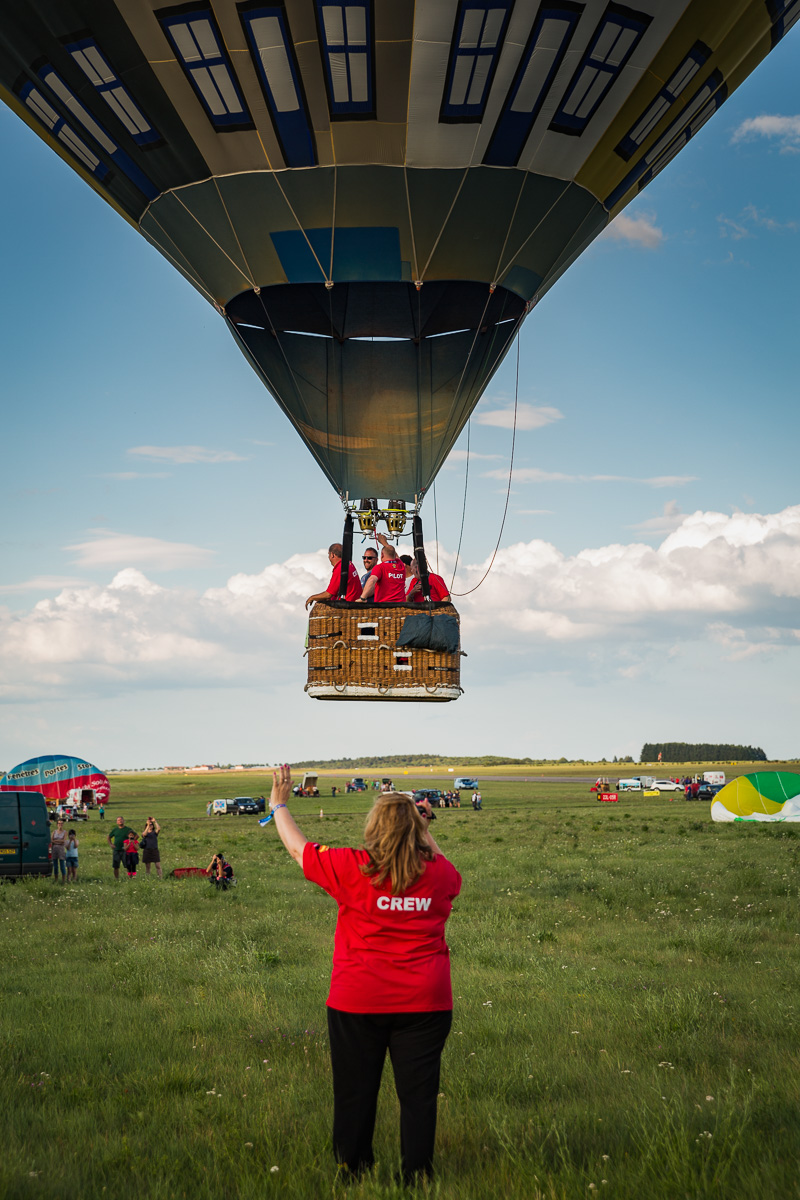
281	786
424	808
310	601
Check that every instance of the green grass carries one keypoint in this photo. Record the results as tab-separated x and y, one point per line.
626	981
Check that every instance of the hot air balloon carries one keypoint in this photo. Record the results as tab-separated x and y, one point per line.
59	777
374	194
764	796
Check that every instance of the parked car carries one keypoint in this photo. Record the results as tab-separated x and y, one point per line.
432	795
705	791
466	782
24	835
246	804
665	785
357	784
221	807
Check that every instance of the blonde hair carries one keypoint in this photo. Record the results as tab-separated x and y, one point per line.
395	840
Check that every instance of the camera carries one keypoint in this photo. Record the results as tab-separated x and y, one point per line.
420	801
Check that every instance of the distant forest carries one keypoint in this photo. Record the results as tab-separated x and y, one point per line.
683	752
425	760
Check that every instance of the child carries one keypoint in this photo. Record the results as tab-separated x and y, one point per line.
72	857
131	848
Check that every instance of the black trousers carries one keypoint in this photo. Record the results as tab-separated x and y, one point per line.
359	1042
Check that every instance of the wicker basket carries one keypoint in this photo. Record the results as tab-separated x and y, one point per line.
353	655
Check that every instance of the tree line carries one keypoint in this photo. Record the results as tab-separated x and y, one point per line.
683	752
423	760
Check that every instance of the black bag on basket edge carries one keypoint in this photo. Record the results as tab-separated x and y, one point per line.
426	631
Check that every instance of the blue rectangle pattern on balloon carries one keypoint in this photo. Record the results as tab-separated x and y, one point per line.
366	253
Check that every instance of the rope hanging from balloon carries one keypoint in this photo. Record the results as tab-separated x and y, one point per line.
508	495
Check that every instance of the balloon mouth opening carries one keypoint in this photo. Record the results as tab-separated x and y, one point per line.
375	311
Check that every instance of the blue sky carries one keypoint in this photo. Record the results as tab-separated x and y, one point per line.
658	383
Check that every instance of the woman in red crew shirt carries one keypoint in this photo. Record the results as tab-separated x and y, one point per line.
390	986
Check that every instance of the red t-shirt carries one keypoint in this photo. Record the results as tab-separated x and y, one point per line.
391	586
353	582
438	587
389	952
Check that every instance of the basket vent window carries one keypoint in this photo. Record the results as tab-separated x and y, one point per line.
402	660
367	631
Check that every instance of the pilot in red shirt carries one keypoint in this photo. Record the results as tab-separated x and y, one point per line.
387	581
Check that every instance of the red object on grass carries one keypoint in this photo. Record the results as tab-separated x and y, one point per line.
183	872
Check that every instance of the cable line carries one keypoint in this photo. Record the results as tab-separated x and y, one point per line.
508	496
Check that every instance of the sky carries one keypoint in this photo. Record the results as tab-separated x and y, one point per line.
161	523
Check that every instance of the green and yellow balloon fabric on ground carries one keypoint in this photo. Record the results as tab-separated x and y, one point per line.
763	796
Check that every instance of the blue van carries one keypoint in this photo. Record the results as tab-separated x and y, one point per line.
24	835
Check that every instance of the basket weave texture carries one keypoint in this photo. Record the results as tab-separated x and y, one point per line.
356	645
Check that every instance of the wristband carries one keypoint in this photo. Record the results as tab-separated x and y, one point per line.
272	812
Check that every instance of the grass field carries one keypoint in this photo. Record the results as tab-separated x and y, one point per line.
626	1018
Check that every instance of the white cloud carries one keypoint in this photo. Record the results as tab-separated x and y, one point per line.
125	475
730	582
785	129
751	219
459	456
185	454
536	475
667	521
529	416
41	583
712	568
107	548
638	230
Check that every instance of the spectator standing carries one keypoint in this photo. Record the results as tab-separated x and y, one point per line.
150	851
131	847
116	840
390	987
58	846
102	810
71	856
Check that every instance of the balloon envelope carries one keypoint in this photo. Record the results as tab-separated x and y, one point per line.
55	776
374	194
763	796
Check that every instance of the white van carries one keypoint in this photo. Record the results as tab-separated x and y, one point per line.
716	778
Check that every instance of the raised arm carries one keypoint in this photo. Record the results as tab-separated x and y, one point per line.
424	809
288	830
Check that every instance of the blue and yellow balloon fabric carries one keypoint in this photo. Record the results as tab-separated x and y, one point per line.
764	796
